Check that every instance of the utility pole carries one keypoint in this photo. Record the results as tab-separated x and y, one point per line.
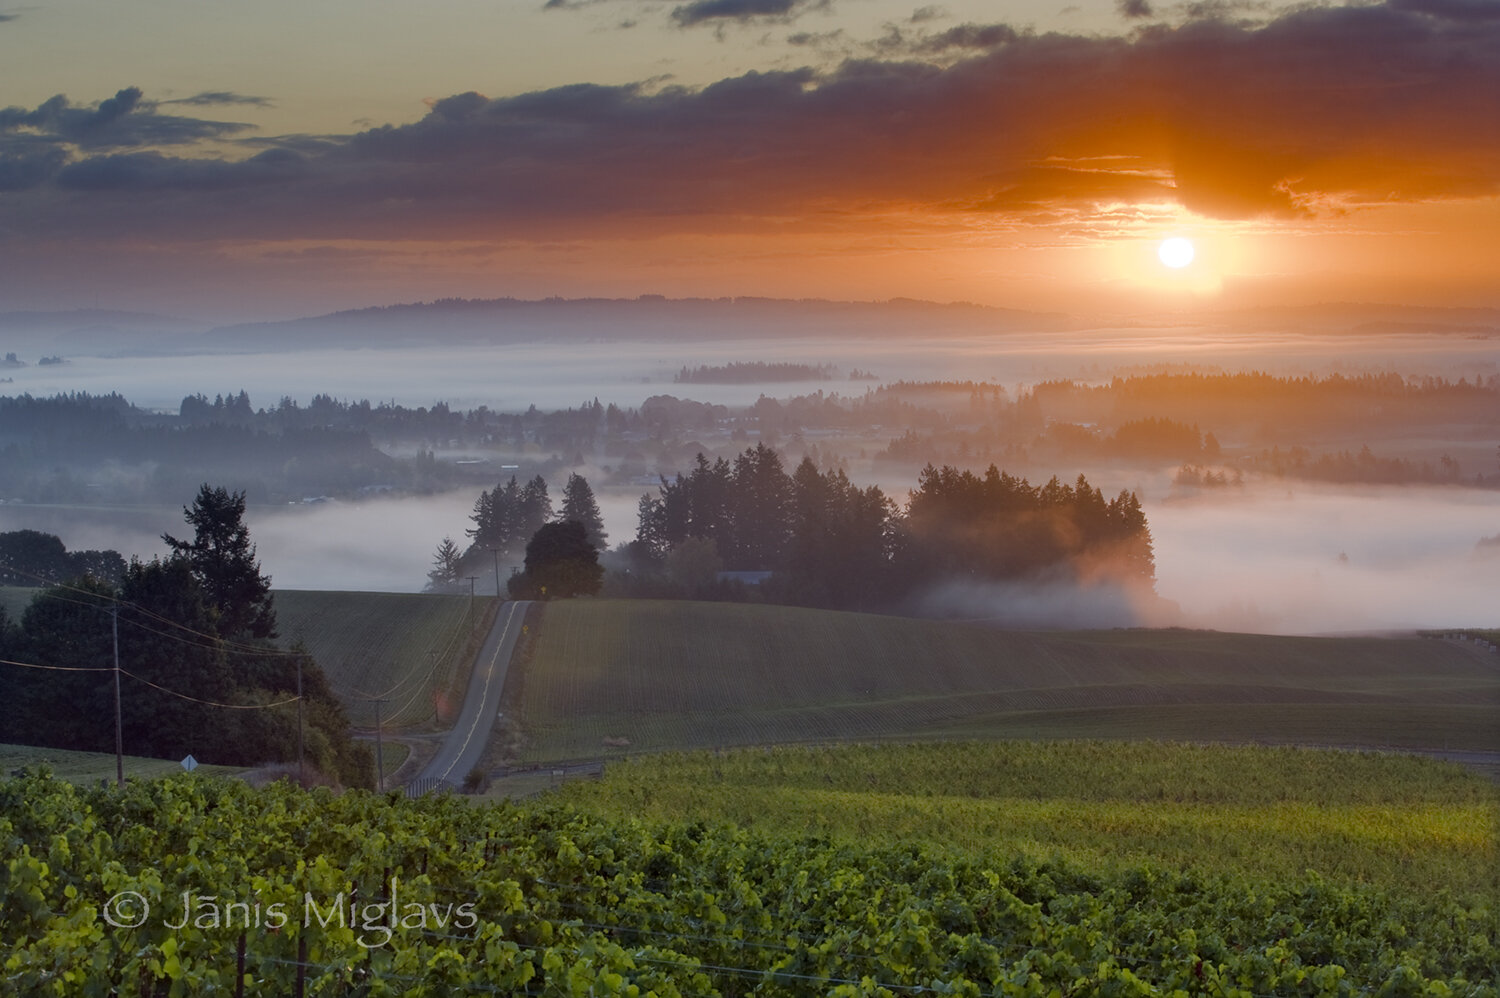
299	722
496	553
114	627
471	600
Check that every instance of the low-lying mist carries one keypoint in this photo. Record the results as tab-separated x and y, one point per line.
1295	558
1270	558
510	377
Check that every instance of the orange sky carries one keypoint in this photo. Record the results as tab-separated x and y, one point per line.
1313	154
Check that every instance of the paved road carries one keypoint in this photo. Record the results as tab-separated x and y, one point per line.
464	745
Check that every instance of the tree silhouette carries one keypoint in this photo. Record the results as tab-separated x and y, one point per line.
223	561
446	568
560	562
580	505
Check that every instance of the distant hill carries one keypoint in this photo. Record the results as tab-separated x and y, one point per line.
92	331
649	317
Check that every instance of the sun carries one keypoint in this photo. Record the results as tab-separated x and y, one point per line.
1176	252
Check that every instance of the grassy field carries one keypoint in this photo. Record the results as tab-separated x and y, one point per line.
1401	823
407	647
90	767
615	677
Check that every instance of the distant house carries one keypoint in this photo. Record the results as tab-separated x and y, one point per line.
747	578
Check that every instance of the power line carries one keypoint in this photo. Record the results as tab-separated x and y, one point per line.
56	668
117	601
211	703
155	686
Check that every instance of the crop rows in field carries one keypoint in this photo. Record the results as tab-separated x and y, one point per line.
438	897
408	647
1406	823
614	676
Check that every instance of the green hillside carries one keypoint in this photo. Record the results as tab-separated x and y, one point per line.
405	646
90	767
606	677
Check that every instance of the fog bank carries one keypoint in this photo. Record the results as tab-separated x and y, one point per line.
1297	558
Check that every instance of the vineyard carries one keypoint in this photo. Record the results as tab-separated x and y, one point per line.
405	646
616	677
190	886
1404	823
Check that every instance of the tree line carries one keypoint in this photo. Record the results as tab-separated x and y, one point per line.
828	542
506	520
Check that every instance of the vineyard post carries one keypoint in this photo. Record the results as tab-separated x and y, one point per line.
299	722
114	627
379	751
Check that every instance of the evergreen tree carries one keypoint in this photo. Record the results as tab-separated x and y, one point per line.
761	521
446	568
535	509
580	506
223	561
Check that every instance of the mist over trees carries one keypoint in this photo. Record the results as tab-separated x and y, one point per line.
506	517
80	448
828	542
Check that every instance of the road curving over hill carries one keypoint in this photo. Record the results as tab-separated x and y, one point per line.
464	745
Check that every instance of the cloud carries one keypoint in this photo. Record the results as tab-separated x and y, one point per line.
1316	110
706	11
8	17
124	120
965	36
1452	10
1133	9
215	97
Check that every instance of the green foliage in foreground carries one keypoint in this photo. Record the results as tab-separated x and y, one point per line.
1409	824
379	895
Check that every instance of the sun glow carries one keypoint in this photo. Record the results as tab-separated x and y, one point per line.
1176	252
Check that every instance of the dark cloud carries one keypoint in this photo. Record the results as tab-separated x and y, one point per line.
965	36
705	11
1317	110
1134	9
931	12
1453	10
813	39
218	97
124	120
8	17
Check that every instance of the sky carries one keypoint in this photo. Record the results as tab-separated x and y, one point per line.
275	159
